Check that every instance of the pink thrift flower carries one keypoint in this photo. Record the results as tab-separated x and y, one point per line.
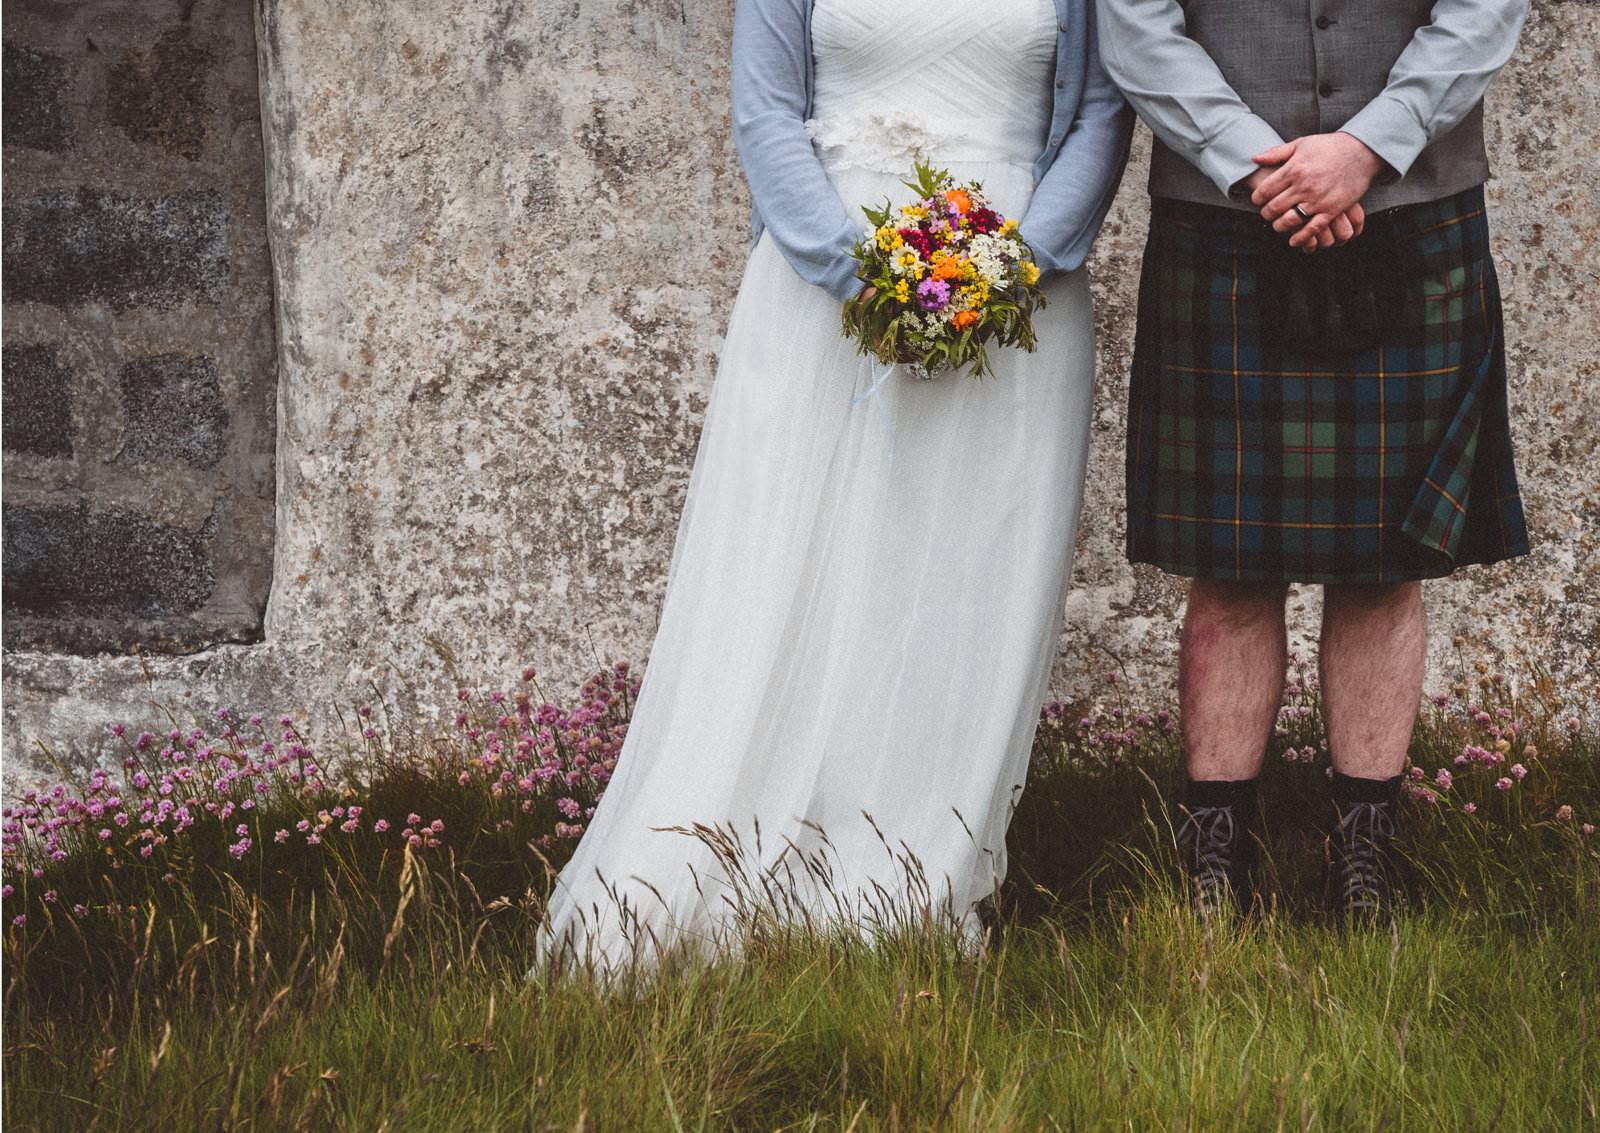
1503	784
380	826
1470	808
1518	771
1443	779
281	836
1564	813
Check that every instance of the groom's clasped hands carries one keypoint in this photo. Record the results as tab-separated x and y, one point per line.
1312	187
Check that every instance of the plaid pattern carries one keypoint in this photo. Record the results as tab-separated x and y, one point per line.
1326	418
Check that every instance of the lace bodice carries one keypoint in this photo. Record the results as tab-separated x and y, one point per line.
902	80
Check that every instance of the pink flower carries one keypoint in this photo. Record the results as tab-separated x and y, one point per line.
1443	779
1564	813
1470	808
1587	828
281	836
1518	771
1502	784
380	826
413	820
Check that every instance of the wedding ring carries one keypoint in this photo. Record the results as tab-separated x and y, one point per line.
1300	212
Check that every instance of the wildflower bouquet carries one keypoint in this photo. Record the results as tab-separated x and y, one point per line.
946	276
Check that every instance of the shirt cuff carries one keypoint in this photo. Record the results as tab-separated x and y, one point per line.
1226	158
1388	128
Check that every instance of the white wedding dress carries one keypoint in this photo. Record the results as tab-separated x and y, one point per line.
869	577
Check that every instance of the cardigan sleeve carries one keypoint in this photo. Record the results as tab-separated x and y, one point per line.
794	199
1072	198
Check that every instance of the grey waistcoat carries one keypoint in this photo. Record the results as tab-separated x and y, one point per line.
1307	69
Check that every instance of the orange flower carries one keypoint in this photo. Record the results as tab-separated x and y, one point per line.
964	319
959	198
947	267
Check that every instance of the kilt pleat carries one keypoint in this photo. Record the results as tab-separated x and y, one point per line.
1339	417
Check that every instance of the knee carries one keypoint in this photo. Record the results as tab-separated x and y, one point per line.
1224	602
1225	594
1398	597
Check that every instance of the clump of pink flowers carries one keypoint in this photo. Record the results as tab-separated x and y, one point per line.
215	784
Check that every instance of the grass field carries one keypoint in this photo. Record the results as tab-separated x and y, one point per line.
348	950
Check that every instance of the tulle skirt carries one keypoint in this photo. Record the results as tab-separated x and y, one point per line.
865	598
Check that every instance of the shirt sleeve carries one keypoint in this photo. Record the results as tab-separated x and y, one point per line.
1073	196
1439	77
1179	92
793	196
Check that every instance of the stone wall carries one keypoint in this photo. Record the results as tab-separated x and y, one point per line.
505	241
139	364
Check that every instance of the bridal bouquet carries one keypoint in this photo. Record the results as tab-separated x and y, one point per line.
947	276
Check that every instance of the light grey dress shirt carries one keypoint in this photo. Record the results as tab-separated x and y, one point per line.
1220	80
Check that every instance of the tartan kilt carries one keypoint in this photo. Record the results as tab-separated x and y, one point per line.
1339	417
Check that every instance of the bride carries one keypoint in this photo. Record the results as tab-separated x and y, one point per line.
870	570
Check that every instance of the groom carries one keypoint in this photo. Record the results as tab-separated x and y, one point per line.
1318	384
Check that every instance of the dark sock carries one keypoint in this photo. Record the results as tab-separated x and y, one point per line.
1240	794
1347	790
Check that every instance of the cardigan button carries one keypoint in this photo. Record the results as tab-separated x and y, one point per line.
1325	89
1323	23
1061	84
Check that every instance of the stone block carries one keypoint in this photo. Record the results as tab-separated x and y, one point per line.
67	248
37	406
69	562
34	116
159	98
173	409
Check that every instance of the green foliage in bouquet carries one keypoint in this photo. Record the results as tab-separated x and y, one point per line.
946	277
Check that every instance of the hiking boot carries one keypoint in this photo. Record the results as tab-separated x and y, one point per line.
1361	887
1219	854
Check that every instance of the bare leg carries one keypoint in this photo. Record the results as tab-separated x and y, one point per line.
1374	649
1230	675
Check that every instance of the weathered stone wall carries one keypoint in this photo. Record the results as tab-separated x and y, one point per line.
506	239
139	367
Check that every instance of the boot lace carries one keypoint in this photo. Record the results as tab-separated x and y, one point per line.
1365	832
1210	835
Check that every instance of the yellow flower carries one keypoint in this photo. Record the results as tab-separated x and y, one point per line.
1029	272
1008	226
889	239
916	212
902	291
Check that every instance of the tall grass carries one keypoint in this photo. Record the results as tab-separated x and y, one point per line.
368	972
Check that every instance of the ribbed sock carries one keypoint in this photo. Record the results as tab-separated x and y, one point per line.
1240	794
1348	790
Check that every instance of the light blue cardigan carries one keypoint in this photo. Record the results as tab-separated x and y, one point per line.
1074	178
